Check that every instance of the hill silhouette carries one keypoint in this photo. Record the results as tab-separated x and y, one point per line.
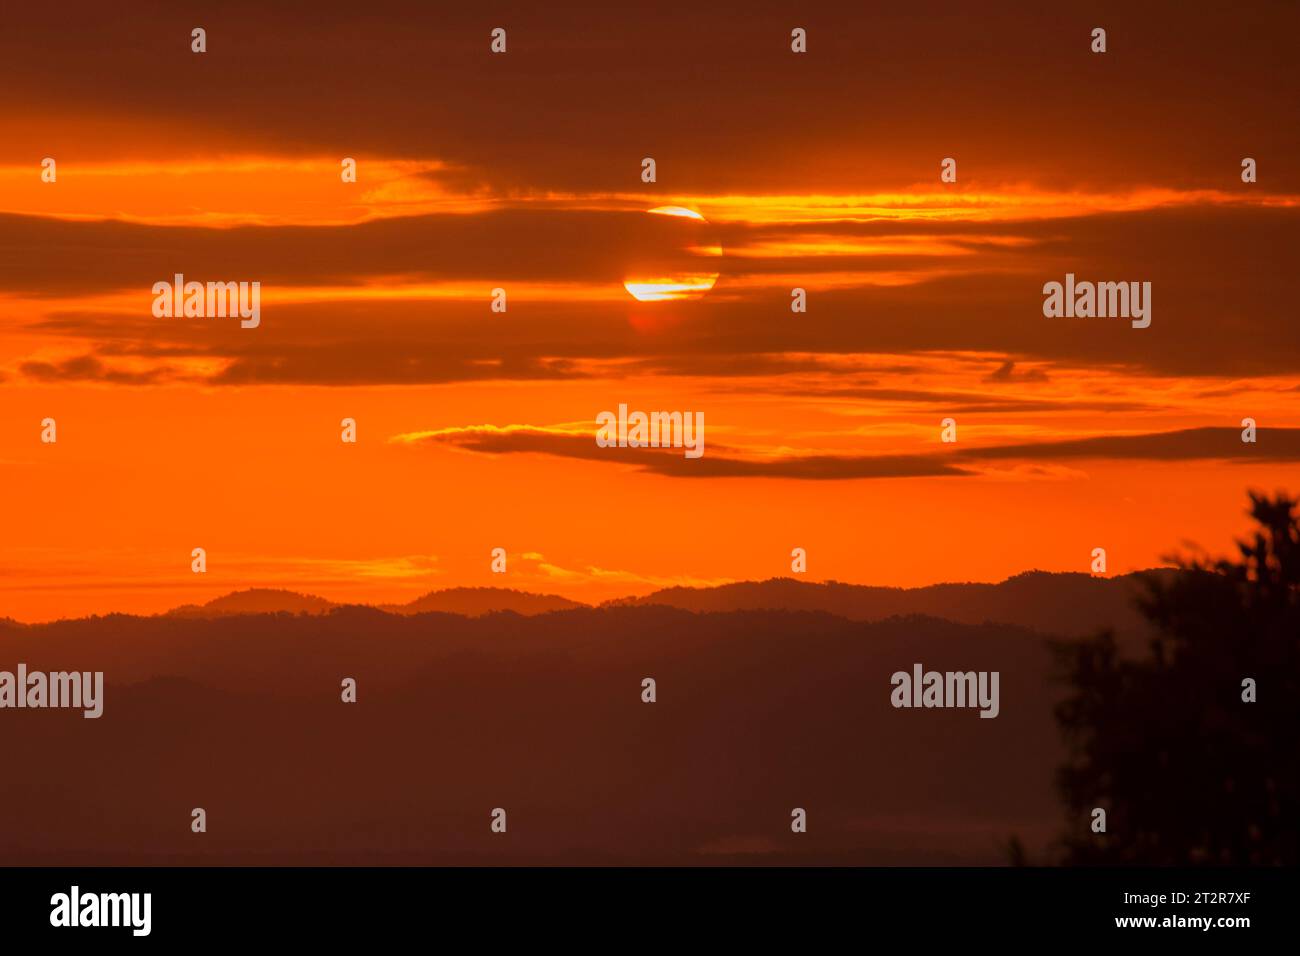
1066	604
1062	604
256	601
771	695
473	602
757	712
470	602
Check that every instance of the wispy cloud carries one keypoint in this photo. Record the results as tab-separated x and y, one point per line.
1195	444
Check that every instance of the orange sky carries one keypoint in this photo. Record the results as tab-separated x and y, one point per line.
476	428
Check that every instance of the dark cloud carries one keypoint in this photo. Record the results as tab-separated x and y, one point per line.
716	96
672	461
1006	372
750	364
48	257
956	402
1220	297
87	368
1274	445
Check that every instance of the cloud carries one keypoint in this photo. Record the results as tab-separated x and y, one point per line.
134	569
405	300
578	442
1006	372
88	368
972	402
724	90
520	243
1192	444
566	442
535	565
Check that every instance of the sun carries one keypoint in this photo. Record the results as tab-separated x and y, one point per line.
678	277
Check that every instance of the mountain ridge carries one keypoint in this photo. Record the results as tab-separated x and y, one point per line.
1063	603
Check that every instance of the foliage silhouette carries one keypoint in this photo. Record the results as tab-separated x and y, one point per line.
1187	771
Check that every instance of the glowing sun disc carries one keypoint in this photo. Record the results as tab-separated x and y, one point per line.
678	286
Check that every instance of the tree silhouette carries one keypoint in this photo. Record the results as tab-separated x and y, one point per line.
1187	770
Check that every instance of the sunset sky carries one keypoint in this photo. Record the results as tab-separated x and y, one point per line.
523	171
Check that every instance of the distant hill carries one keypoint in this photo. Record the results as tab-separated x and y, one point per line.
473	602
256	601
1069	605
469	602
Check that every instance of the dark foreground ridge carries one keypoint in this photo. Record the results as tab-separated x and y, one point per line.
757	713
